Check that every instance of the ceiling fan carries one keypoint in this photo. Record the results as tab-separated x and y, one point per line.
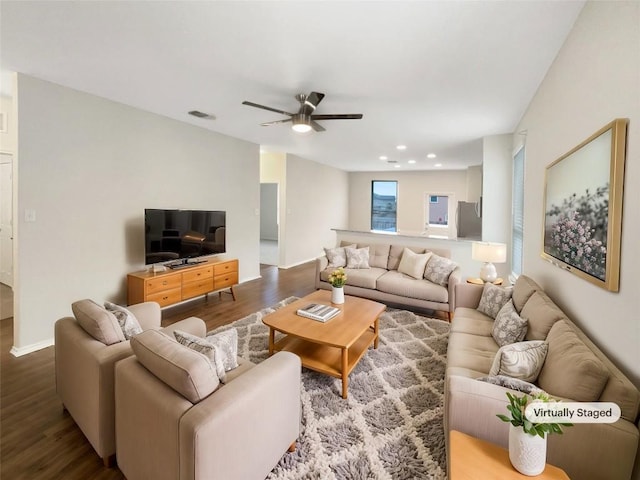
305	120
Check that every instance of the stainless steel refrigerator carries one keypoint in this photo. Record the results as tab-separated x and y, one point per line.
469	220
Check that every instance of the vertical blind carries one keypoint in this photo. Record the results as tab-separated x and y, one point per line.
517	221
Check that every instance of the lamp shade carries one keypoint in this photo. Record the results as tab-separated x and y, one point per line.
489	252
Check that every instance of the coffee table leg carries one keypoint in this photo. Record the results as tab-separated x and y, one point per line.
345	372
376	331
272	336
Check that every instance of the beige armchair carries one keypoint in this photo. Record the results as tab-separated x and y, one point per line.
84	364
175	421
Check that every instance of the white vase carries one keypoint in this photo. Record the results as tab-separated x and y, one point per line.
337	295
528	453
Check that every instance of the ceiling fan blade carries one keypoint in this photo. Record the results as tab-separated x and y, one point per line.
251	104
266	124
317	127
339	116
315	98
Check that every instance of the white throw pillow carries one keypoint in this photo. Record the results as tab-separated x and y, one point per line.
413	263
126	319
522	360
357	257
508	326
337	256
220	349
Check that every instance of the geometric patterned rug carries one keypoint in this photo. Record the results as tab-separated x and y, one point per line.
390	427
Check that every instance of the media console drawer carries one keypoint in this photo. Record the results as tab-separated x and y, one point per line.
173	286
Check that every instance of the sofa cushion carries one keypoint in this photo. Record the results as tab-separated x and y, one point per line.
470	320
522	291
508	327
512	383
493	299
337	257
97	322
400	284
357	257
126	319
413	264
188	372
438	269
571	369
395	255
522	360
541	313
358	277
471	352
378	254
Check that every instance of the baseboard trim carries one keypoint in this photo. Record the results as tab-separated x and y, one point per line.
286	267
34	347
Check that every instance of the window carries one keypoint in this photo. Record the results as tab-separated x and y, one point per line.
384	205
517	215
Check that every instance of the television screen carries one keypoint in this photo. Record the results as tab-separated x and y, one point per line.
183	234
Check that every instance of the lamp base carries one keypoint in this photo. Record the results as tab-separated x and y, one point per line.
488	272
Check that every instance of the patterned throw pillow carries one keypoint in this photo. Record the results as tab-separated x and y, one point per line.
493	299
357	257
512	383
413	264
220	349
508	327
337	256
438	269
127	320
522	360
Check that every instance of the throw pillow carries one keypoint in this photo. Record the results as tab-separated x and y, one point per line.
126	319
204	347
438	269
512	383
413	264
508	327
226	344
97	322
337	256
521	360
493	299
357	257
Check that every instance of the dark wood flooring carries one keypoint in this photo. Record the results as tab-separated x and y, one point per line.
40	441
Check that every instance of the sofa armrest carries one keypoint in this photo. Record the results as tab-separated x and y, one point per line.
454	279
321	264
148	314
259	410
468	295
193	325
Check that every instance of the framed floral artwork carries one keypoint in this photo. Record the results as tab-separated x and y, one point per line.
583	207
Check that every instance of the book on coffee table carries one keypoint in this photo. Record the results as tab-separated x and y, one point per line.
318	311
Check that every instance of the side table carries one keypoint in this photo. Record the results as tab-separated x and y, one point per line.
479	281
472	458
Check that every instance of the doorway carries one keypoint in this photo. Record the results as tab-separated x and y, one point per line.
269	224
6	235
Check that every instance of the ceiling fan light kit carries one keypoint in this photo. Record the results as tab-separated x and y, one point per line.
305	120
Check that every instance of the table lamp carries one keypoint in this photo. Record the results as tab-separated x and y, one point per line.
489	253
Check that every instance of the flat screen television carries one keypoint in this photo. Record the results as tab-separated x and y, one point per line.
179	235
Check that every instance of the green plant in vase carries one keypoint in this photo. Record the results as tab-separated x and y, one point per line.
517	406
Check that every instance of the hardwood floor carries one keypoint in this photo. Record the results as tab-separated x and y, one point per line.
40	441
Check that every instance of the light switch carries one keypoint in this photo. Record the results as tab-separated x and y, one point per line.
29	215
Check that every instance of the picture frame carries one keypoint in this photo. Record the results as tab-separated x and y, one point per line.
583	207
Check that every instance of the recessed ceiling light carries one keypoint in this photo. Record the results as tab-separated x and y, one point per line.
438	165
411	161
401	147
431	155
383	157
397	166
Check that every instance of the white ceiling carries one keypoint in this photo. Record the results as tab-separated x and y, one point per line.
436	76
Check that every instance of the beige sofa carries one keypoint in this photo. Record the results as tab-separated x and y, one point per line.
175	421
84	366
384	283
574	370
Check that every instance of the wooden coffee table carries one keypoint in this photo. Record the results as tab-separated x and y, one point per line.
334	347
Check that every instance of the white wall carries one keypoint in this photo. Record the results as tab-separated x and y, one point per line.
497	161
273	169
316	201
594	79
412	187
269	211
89	167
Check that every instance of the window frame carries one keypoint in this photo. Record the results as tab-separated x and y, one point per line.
372	212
